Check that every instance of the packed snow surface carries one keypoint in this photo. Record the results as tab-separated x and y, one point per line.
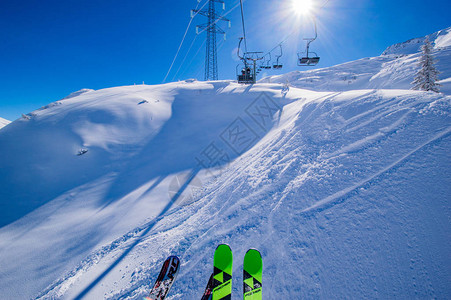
3	122
339	176
346	194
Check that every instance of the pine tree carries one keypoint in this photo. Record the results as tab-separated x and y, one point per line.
427	76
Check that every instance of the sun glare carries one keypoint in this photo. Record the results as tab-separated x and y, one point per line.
302	7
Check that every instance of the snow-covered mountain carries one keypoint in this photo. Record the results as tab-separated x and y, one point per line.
77	93
345	193
441	39
3	122
394	69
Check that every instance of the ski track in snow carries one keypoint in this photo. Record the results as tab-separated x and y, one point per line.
337	197
178	223
344	190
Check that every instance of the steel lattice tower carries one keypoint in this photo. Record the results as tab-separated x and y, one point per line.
212	29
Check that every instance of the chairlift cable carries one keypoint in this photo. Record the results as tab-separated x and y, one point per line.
244	28
292	32
324	4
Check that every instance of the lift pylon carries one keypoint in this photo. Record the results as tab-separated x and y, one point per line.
212	29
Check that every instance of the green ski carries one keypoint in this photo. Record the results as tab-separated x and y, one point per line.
252	275
222	273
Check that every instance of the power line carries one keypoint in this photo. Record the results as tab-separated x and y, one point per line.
228	12
183	39
192	43
212	26
192	59
184	58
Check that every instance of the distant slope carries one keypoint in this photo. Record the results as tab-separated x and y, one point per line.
440	39
394	69
346	194
3	122
77	93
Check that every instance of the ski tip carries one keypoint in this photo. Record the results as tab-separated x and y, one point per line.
222	250
223	246
253	250
253	254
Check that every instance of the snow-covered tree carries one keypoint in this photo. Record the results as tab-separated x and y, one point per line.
427	76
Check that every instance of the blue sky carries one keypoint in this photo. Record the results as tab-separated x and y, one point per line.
51	48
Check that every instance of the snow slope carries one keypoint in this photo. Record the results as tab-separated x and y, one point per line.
3	122
394	69
346	194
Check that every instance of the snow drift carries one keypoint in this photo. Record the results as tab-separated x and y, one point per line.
345	193
335	189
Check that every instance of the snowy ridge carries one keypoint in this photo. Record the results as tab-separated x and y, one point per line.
394	69
333	178
77	93
4	122
440	39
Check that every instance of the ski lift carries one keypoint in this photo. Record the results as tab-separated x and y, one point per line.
267	65
277	65
245	76
309	58
248	73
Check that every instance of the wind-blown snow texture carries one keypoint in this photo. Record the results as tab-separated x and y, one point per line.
346	194
3	122
394	69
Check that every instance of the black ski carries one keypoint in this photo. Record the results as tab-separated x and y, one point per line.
208	289
165	279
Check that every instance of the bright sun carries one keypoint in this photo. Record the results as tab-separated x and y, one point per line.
302	7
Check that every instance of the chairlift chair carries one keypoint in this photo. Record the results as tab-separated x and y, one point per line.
248	74
245	76
268	63
277	65
306	60
309	58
